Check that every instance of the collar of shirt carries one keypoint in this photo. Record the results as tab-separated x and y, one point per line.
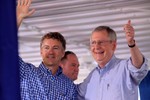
107	66
43	68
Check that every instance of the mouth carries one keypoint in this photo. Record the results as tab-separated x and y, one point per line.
101	52
75	73
51	56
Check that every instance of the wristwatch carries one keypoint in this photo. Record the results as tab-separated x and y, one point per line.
133	45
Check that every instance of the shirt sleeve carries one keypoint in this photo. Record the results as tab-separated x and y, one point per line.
74	93
25	68
138	74
81	88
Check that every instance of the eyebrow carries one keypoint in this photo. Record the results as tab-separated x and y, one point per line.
49	46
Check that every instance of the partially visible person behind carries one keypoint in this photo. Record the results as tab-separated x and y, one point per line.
46	82
113	78
144	88
70	65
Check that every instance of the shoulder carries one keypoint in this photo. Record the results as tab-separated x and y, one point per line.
25	68
65	79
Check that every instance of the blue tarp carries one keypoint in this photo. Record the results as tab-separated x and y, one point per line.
9	69
144	88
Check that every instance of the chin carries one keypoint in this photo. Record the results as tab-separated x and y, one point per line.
99	61
50	64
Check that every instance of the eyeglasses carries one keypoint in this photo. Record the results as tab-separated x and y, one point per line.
47	48
101	43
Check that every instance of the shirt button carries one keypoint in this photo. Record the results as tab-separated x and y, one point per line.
133	92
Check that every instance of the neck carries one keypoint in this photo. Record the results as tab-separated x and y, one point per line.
53	69
101	64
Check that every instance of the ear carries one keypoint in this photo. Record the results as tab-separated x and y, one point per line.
40	51
63	53
114	45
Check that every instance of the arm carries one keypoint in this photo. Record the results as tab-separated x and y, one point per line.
136	55
23	10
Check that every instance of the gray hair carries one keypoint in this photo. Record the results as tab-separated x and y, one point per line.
111	33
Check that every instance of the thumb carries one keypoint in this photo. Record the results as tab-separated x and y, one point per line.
31	12
129	22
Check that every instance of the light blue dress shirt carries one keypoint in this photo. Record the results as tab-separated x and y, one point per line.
118	80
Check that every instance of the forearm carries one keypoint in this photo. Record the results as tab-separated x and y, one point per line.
19	21
136	57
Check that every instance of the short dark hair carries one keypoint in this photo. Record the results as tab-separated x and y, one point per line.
66	54
54	35
111	33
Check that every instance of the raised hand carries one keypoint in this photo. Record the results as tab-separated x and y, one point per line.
23	10
129	30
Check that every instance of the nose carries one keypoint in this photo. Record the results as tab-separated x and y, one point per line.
50	51
77	69
96	46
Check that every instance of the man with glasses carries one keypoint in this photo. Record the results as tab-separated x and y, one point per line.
113	78
46	82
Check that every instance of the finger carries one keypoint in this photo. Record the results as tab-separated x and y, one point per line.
29	2
125	27
26	2
31	12
19	3
22	2
129	22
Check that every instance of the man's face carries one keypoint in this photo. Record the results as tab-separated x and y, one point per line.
102	47
51	52
71	67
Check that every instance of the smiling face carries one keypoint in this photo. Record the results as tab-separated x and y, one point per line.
102	47
52	48
51	51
